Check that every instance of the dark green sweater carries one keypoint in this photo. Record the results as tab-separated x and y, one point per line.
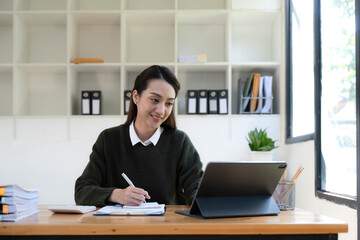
169	171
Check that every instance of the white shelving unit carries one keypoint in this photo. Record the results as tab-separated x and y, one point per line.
149	37
6	90
91	5
94	34
40	38
6	39
40	90
203	33
105	78
194	76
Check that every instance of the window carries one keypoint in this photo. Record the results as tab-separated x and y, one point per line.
300	71
336	100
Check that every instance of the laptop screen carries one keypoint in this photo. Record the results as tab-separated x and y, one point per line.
229	179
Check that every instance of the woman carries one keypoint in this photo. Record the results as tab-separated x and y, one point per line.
159	159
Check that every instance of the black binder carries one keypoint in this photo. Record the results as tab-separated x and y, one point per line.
192	106
127	97
235	189
223	101
86	102
96	103
213	103
203	101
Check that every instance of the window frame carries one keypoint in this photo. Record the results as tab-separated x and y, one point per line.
289	82
319	161
357	69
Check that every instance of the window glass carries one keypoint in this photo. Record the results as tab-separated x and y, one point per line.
338	112
302	68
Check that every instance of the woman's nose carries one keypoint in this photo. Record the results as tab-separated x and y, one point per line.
160	109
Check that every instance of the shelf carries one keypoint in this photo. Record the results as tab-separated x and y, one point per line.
40	90
6	91
96	67
5	67
6	5
41	38
159	43
149	4
104	78
255	36
208	66
6	39
40	5
142	65
256	4
95	35
197	79
253	65
203	33
41	68
201	4
95	5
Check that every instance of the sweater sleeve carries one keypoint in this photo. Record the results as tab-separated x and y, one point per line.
190	170
88	187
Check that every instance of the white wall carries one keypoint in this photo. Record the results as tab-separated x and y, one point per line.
44	156
303	153
49	155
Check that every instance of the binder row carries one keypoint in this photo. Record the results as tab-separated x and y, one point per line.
207	101
90	102
198	101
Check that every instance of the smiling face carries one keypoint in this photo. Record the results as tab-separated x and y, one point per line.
154	105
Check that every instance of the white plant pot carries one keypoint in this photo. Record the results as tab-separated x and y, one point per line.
262	156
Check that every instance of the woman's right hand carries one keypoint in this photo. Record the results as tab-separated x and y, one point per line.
131	196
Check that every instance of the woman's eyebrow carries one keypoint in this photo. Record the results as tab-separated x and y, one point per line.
156	94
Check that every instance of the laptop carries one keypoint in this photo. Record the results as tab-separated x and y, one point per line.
234	189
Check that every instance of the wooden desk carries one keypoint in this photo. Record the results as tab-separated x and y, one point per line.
297	224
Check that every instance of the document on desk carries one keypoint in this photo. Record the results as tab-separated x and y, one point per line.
148	208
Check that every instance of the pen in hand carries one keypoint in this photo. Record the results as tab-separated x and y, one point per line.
129	182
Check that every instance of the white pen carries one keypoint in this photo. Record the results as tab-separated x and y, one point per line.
129	182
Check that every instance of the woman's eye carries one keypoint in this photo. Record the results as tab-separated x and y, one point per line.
169	103
154	100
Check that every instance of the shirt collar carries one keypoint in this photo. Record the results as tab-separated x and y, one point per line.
154	138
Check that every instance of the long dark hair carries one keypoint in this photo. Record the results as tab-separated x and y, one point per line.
141	84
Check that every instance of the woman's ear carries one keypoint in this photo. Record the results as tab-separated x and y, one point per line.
135	96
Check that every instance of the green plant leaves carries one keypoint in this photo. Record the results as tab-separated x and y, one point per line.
258	140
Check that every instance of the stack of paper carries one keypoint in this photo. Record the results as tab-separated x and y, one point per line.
17	203
151	208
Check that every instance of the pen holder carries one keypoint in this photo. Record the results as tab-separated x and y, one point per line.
284	195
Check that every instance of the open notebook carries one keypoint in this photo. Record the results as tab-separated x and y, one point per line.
149	208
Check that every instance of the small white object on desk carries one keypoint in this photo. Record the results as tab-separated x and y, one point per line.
71	209
150	208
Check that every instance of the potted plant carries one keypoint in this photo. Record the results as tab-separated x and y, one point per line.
261	145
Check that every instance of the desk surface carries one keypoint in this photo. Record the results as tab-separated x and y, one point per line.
287	222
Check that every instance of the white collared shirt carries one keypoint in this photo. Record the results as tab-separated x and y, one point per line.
154	138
